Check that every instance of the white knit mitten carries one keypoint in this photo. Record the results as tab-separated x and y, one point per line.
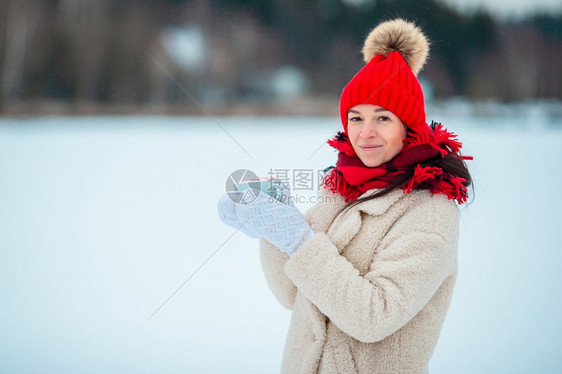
282	225
227	214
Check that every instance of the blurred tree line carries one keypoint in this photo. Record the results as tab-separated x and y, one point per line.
225	51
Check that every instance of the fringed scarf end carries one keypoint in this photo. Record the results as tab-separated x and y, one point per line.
341	142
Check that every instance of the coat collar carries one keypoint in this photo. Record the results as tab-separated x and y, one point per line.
346	226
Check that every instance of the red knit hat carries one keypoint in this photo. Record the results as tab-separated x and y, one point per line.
394	52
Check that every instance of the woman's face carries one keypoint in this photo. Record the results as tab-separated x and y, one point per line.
375	133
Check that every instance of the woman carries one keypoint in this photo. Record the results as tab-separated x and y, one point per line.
369	272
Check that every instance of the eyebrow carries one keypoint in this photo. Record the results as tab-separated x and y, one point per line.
376	110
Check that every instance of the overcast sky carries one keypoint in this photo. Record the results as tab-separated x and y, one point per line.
508	8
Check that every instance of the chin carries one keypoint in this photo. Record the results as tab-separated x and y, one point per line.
372	163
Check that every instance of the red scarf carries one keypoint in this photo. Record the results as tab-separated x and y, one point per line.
351	178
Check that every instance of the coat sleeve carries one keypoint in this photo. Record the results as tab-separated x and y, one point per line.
414	258
273	261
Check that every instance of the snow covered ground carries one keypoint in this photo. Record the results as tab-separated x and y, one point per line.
103	218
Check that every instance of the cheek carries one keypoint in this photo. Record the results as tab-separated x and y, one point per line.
396	139
352	134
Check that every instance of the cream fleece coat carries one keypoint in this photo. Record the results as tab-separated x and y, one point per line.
369	293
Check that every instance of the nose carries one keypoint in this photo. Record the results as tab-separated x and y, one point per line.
368	131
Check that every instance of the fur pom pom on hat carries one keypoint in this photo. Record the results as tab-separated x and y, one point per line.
395	51
400	36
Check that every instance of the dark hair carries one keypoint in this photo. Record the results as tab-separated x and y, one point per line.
452	164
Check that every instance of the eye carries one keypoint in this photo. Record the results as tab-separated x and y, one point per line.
383	118
354	119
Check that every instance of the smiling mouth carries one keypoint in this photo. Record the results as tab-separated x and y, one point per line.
369	147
